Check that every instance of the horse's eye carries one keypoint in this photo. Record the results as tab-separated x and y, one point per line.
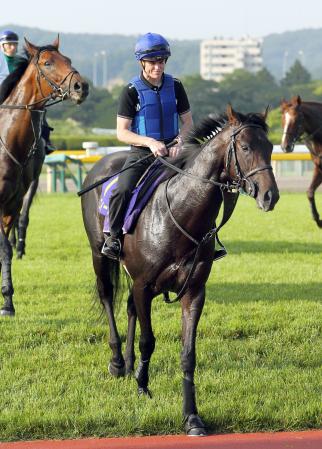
245	147
47	63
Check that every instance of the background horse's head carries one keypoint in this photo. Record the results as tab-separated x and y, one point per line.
248	157
55	75
292	122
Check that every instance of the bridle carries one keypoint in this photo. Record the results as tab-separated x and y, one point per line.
300	130
236	185
242	179
37	115
296	135
57	91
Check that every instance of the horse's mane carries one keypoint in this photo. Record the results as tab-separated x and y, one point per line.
14	77
207	130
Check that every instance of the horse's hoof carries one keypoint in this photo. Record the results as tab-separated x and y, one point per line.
20	254
7	312
116	371
194	426
144	391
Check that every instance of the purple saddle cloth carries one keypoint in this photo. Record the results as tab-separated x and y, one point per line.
140	196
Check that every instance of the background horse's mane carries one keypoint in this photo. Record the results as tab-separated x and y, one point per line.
14	77
207	130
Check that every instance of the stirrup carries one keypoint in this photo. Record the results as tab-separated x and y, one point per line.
112	253
220	253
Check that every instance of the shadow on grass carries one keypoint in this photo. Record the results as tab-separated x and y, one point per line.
257	246
239	292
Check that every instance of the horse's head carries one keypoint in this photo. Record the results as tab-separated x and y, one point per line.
248	157
55	75
292	122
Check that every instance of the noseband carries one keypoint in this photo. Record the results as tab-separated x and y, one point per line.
242	179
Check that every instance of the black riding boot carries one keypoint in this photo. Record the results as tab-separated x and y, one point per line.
112	247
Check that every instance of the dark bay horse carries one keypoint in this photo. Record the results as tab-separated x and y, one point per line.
174	233
46	78
305	118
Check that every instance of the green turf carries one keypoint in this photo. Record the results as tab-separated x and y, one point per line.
259	338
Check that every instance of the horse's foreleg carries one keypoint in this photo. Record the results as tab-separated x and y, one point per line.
13	234
142	300
105	290
316	181
6	286
129	352
192	305
24	218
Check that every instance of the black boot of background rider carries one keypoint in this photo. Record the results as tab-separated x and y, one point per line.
45	134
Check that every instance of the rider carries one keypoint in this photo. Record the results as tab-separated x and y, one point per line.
147	119
9	45
4	71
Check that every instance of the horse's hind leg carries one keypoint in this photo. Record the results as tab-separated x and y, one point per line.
129	352
192	305
316	181
105	290
7	286
24	218
142	300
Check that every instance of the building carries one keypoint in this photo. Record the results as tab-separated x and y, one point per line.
219	56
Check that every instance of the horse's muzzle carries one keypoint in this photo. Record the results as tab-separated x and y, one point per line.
287	147
78	91
267	201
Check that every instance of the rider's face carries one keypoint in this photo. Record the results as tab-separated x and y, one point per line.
10	48
153	69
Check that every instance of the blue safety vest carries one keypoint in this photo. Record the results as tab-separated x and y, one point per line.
158	116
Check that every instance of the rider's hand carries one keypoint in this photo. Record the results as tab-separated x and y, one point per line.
175	149
158	148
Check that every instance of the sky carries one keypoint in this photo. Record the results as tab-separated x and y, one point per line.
202	19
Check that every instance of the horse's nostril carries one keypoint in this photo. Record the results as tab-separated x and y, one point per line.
77	87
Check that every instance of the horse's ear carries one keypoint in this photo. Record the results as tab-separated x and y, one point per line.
296	100
31	48
56	42
232	115
265	113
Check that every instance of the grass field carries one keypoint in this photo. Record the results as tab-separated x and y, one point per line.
259	340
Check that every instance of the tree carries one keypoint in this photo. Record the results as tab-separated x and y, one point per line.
296	75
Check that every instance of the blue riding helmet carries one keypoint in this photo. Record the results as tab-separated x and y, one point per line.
152	45
8	36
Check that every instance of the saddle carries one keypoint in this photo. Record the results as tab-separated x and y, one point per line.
143	191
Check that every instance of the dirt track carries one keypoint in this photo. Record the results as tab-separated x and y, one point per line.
279	440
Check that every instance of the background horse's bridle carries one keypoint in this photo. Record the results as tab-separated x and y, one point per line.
296	136
37	114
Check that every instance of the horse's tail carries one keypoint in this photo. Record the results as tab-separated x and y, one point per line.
121	283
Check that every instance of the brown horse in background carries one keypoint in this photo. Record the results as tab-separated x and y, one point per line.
172	246
46	78
305	118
